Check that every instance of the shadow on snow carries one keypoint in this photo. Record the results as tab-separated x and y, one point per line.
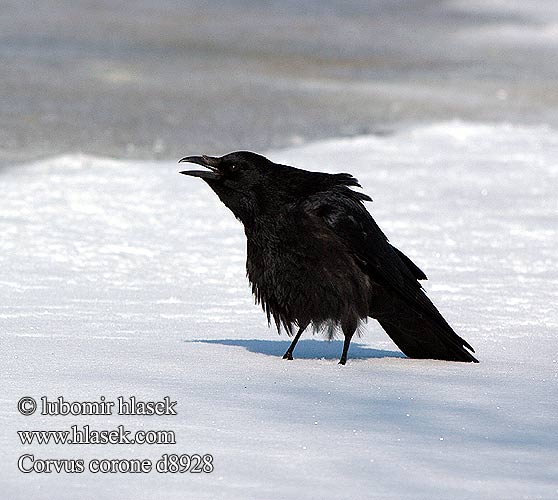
305	349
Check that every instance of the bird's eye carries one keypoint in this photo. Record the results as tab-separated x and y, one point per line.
233	167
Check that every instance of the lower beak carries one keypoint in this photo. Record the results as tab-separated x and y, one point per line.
206	161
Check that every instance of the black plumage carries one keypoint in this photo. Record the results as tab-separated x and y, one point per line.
315	256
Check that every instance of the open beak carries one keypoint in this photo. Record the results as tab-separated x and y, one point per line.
210	162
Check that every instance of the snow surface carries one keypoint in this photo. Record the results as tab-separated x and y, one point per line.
124	278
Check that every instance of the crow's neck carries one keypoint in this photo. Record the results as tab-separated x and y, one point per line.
264	211
269	230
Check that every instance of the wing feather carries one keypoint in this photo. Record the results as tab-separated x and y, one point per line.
343	212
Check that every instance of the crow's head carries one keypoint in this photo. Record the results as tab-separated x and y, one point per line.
240	179
254	188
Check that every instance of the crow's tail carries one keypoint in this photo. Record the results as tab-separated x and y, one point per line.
420	335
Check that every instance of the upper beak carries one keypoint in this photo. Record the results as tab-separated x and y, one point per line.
210	162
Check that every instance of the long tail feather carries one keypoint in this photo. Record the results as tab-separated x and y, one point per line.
423	336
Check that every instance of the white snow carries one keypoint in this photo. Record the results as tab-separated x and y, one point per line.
121	278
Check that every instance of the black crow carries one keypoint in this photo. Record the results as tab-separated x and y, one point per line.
315	256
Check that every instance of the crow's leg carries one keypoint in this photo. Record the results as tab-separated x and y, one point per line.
289	353
348	336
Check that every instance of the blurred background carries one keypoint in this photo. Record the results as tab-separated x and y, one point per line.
158	79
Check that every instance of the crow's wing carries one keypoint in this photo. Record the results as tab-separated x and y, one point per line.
417	272
343	212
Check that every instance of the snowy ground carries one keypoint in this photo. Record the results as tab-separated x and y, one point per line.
128	279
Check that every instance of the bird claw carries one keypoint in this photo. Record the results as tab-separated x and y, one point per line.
287	355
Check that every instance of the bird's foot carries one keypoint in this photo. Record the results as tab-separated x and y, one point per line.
288	355
342	361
